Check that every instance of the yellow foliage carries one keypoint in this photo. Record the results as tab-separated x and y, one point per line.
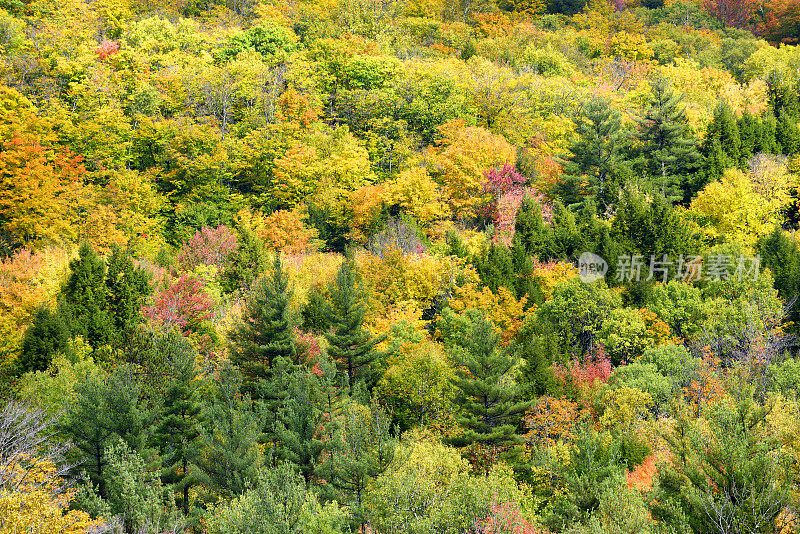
624	407
397	278
27	280
285	231
551	275
32	502
417	194
465	154
502	307
731	209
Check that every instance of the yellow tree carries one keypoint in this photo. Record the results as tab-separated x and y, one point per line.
40	192
464	155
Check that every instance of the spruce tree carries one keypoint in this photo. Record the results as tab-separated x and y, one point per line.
488	400
85	298
350	346
668	151
230	431
263	341
177	432
495	267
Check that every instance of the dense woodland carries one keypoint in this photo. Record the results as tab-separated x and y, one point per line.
313	267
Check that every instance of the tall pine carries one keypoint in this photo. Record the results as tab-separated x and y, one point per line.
489	399
177	432
668	151
263	342
350	346
85	298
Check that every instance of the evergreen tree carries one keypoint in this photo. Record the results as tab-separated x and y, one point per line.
361	449
85	298
177	432
104	408
249	262
45	337
489	401
126	287
314	314
350	346
668	151
721	149
300	422
495	267
532	237
538	347
787	134
595	155
263	341
229	435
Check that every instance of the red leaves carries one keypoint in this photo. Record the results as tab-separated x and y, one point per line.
734	13
106	49
208	246
184	304
506	519
583	374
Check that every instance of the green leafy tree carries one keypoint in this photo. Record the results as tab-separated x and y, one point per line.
361	449
726	472
105	407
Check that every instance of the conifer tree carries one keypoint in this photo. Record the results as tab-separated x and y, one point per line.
495	266
85	298
668	151
350	346
596	154
126	287
489	401
45	337
176	434
263	341
300	422
229	434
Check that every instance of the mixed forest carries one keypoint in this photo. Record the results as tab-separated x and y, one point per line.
320	267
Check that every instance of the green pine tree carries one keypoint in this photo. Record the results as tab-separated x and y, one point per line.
230	431
300	421
126	288
264	337
488	398
85	299
668	151
177	432
595	156
45	337
350	346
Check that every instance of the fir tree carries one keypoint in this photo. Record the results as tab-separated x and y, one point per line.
350	346
668	151
489	401
495	267
229	434
176	434
45	337
595	156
